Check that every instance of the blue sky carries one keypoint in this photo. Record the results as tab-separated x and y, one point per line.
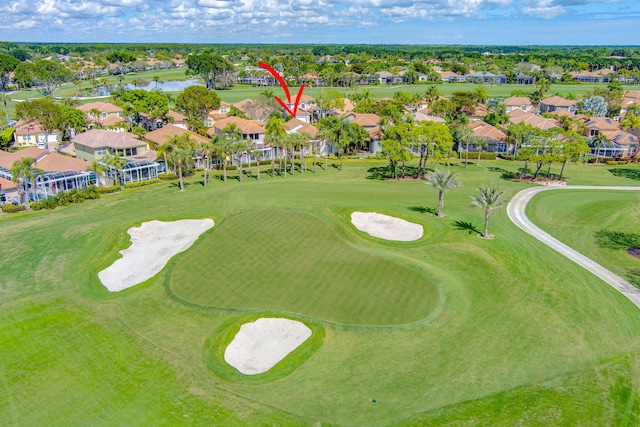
512	22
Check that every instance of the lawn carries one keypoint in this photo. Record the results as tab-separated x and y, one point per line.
519	334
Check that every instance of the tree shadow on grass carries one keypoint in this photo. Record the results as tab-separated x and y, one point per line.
465	226
176	184
509	175
626	173
423	209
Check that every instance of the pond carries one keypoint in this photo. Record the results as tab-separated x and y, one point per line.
170	86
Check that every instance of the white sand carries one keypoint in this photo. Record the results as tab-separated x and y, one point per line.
152	245
259	345
386	227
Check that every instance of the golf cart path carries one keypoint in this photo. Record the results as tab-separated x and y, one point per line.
516	211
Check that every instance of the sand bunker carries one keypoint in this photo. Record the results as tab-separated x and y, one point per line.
386	227
259	345
152	245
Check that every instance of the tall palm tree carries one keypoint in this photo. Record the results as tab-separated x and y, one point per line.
488	198
239	147
329	131
275	131
22	170
117	162
598	141
480	143
182	156
98	169
207	148
443	180
223	149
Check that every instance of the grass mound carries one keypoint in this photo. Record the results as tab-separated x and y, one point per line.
299	264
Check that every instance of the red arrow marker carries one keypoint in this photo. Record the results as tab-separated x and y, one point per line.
284	86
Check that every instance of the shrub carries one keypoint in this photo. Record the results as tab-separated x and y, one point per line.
167	176
506	157
112	189
11	208
229	167
142	183
617	162
485	155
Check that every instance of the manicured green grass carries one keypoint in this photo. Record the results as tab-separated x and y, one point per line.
575	218
296	262
521	336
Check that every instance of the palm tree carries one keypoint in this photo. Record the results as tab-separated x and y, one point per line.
275	130
23	171
166	150
598	141
98	169
257	153
182	156
207	148
443	180
239	147
329	131
488	198
480	143
117	162
223	148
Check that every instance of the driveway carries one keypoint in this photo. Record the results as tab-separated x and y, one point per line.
516	211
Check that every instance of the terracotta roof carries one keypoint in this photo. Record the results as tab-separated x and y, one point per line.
558	101
7	158
177	117
517	101
99	138
6	184
376	133
32	128
366	120
299	126
481	110
533	120
447	74
110	121
54	162
485	130
602	124
563	113
160	136
632	94
103	107
620	137
149	155
244	125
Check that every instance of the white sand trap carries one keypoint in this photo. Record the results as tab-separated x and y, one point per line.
386	227
259	345
152	245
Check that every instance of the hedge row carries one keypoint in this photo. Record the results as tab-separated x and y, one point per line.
11	208
141	183
66	198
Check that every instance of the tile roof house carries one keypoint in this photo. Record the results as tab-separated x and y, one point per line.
60	172
8	192
451	77
299	126
599	76
94	144
619	145
519	116
250	129
595	125
172	117
518	103
30	134
555	103
496	139
370	123
162	135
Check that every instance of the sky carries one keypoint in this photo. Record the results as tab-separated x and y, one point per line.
462	22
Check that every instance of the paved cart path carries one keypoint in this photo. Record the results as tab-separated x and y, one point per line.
516	211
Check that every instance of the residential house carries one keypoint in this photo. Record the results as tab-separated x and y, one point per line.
30	134
486	77
162	135
385	77
419	116
479	112
496	139
104	114
619	145
219	113
451	77
8	192
599	76
543	123
518	103
298	126
151	124
370	123
249	129
594	125
555	103
630	97
60	173
312	80
95	144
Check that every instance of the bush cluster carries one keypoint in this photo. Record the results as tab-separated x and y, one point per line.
66	198
106	190
167	176
485	155
506	156
11	208
617	162
141	183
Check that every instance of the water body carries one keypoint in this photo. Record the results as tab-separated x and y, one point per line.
171	86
